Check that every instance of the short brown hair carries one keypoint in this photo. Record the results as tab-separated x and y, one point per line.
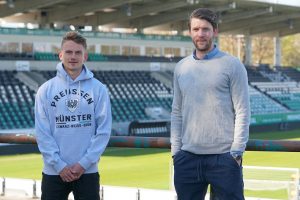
206	14
75	37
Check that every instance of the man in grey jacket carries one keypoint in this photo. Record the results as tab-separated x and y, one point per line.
210	116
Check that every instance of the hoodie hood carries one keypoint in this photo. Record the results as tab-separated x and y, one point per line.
84	75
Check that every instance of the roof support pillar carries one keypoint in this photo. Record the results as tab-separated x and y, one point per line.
277	50
248	50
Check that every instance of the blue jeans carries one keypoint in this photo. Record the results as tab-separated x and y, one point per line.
85	188
193	173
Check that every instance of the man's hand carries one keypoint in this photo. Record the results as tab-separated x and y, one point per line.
77	170
67	175
239	161
238	157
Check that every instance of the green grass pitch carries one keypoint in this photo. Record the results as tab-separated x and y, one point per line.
150	168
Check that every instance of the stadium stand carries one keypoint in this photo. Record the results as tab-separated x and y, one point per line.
287	93
146	96
46	56
131	92
16	56
255	76
272	74
262	104
291	72
16	100
47	74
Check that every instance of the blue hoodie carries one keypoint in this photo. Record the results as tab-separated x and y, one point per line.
72	121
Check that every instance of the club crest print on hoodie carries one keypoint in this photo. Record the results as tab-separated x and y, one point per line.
72	115
72	97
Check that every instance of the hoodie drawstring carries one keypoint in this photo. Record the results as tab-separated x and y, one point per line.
79	96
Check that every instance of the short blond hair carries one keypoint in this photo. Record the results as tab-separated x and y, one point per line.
75	37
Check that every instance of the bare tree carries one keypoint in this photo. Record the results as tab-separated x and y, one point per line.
233	44
262	49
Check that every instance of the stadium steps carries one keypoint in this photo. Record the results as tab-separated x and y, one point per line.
25	77
39	78
164	78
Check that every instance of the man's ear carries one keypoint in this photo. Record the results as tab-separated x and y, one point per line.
60	55
85	56
216	32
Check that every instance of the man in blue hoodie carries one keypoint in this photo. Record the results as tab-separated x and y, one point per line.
210	116
73	125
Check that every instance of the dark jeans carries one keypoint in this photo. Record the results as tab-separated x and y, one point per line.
85	188
193	173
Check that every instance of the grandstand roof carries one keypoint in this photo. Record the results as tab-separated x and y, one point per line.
236	17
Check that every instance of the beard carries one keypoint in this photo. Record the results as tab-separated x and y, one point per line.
205	46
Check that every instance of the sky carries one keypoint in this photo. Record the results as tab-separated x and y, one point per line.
295	3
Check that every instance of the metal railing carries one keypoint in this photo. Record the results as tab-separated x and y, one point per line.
162	142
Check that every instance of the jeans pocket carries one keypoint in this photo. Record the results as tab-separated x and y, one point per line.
175	157
230	161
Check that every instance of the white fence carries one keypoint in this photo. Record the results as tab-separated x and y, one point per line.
268	179
20	187
271	179
27	188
